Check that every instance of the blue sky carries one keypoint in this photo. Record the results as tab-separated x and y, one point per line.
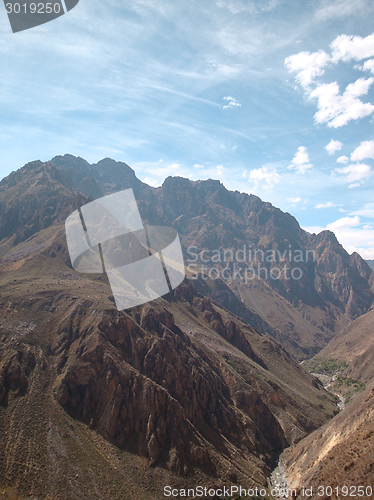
272	97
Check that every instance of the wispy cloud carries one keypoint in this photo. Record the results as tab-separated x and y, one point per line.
342	159
232	103
238	6
330	9
264	176
366	211
328	204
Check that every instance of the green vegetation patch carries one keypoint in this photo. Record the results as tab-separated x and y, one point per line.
349	383
327	367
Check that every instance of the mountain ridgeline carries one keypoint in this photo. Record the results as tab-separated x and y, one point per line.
306	287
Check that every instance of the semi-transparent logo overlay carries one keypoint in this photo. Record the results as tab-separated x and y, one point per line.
142	262
26	14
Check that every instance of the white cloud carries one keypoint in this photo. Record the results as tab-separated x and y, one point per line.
343	159
368	66
355	172
354	185
334	108
344	222
364	150
307	66
270	177
353	237
158	169
313	229
219	169
325	205
300	161
203	172
294	200
337	110
233	103
347	47
165	171
151	182
333	146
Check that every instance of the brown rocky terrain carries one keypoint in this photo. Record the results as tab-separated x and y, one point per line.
194	388
355	346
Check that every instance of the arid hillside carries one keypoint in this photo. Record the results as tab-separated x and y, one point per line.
202	386
355	346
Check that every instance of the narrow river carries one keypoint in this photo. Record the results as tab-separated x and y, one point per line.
278	479
327	381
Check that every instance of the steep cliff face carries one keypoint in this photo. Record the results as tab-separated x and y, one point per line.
150	390
211	218
340	279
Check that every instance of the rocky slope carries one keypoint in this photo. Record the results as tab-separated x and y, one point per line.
354	346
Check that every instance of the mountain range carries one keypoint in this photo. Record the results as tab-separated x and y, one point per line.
202	386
